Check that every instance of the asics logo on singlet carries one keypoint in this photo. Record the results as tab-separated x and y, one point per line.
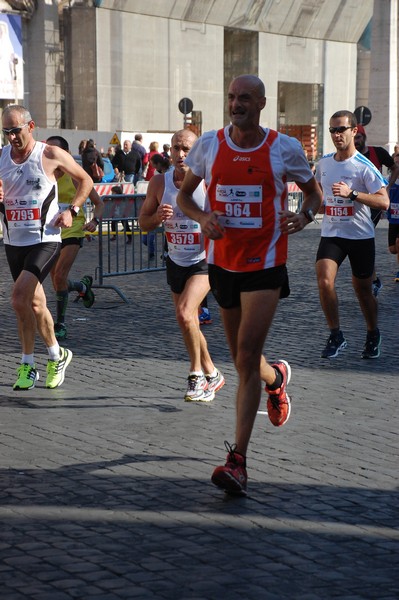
241	159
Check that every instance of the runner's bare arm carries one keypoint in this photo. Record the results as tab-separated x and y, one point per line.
210	225
153	213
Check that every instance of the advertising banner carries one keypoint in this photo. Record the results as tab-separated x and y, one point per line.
11	63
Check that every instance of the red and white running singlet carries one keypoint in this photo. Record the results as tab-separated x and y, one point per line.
248	186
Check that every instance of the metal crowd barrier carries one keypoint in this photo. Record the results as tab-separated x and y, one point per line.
129	250
295	200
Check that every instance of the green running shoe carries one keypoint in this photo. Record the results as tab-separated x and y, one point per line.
56	369
60	331
87	296
27	377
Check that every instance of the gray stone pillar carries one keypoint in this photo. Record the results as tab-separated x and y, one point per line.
383	94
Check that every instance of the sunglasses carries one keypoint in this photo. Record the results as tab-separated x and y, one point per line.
339	129
15	130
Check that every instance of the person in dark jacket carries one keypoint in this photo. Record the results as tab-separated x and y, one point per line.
91	156
127	161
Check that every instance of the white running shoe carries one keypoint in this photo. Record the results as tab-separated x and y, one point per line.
197	389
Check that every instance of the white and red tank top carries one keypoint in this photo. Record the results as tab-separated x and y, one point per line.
185	240
30	204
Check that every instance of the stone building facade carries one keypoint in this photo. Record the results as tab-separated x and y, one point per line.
109	65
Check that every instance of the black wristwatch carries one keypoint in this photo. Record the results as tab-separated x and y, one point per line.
309	215
74	210
354	195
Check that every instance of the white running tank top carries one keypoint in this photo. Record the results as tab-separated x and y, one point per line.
185	240
30	204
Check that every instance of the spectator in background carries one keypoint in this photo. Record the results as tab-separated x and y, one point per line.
126	162
148	167
118	190
160	163
82	146
138	146
91	157
111	152
166	153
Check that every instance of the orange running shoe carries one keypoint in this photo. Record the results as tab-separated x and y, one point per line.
279	402
232	477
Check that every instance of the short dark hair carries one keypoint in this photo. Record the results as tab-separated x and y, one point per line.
346	113
117	189
62	141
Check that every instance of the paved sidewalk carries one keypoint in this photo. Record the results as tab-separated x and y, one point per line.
105	482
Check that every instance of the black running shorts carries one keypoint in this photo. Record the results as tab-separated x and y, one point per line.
361	254
73	241
393	234
37	259
227	286
177	276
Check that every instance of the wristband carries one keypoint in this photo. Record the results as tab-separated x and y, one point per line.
74	210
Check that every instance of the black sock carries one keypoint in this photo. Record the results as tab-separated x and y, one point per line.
61	303
278	381
373	335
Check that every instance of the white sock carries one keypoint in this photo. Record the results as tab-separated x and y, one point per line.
196	373
54	352
213	374
27	359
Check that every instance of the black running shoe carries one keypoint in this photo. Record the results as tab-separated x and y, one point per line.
372	346
87	296
335	344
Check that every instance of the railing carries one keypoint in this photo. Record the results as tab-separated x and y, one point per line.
123	248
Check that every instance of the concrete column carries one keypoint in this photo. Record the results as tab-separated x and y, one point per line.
383	95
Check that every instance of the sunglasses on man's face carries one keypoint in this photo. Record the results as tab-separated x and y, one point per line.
341	129
15	130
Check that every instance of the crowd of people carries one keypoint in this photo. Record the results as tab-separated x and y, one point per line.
222	201
130	161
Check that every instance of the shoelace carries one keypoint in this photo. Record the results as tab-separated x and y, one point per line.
192	382
274	397
231	449
232	454
28	371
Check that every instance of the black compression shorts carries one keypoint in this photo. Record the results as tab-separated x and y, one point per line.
37	259
361	254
